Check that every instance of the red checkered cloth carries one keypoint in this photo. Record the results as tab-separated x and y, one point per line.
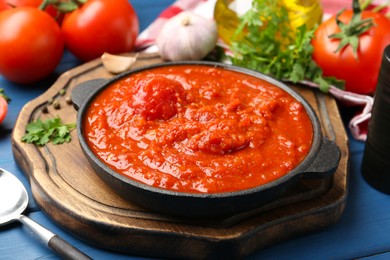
205	8
148	36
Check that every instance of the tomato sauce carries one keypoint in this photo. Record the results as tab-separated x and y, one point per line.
198	129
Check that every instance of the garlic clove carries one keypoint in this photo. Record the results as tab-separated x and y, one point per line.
117	63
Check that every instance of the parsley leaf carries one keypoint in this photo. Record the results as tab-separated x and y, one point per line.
40	133
265	42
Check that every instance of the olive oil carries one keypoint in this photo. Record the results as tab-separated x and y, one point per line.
227	13
301	12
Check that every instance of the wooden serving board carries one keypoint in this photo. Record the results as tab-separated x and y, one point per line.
68	190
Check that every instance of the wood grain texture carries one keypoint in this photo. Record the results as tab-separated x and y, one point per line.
67	189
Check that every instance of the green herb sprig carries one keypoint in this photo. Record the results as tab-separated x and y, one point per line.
265	42
40	133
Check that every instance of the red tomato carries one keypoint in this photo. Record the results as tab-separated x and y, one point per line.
100	26
31	44
8	4
3	5
15	3
361	73
3	108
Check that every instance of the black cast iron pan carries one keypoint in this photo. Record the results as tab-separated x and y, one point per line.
321	161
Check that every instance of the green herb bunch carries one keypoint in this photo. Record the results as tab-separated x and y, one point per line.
41	132
265	42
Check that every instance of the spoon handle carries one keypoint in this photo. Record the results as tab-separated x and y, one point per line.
66	250
53	241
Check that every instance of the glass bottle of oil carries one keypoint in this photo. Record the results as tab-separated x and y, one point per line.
307	12
227	13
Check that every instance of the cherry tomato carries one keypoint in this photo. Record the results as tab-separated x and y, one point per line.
100	26
360	73
31	44
3	108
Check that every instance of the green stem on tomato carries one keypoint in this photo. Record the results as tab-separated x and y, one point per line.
356	7
349	33
44	4
365	4
380	7
3	95
62	6
377	8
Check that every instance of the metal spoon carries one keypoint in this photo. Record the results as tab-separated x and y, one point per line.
14	200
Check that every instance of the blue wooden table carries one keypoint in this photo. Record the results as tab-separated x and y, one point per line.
362	232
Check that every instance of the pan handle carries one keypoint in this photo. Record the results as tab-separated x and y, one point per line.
326	162
82	91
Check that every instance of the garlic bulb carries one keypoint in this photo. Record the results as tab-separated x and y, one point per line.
187	36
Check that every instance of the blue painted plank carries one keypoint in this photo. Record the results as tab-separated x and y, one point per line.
362	232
